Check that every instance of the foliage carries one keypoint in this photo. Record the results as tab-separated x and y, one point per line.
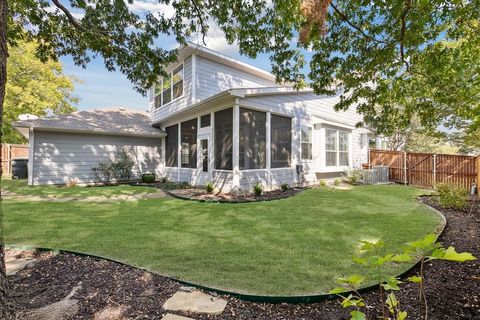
33	87
118	169
427	249
71	183
209	187
284	187
148	177
354	176
337	182
164	179
323	183
257	190
175	185
451	196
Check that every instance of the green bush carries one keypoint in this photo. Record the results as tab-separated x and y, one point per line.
450	196
354	176
257	190
323	183
209	187
285	187
175	185
148	177
336	182
120	168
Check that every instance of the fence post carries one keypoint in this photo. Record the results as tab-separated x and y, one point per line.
405	167
434	182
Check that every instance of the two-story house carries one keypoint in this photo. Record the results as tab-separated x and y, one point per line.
214	119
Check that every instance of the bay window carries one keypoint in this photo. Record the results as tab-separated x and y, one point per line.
336	148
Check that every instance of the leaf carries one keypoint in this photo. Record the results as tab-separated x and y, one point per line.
426	243
354	280
357	315
404	257
415	279
337	290
392	303
451	255
366	245
359	260
402	315
391	284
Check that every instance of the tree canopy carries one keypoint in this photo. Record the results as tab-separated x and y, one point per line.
33	87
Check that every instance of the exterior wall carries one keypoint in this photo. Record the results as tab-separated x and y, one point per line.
213	77
58	157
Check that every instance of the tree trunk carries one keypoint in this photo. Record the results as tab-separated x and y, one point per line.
6	307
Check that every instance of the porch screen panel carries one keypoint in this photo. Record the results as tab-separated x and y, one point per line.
252	151
281	144
189	144
223	139
171	146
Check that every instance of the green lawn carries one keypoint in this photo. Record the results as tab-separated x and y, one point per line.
291	246
20	187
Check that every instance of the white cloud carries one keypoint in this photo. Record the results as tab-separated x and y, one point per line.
215	40
152	6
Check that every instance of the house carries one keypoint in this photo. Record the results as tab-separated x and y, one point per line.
213	119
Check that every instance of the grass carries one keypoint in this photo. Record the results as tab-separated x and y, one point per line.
293	246
20	187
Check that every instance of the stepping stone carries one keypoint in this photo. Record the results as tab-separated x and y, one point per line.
15	265
170	316
195	301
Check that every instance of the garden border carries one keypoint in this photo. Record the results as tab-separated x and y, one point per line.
249	297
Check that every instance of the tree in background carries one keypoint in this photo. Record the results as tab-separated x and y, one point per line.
33	87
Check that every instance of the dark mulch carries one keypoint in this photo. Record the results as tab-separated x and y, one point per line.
453	289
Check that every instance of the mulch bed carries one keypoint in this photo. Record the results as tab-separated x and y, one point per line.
452	289
202	195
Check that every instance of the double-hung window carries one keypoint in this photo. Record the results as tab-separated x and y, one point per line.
307	143
169	87
336	148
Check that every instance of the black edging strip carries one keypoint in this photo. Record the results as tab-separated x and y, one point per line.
250	297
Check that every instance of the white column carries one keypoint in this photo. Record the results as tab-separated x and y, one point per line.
211	147
179	151
236	147
31	149
268	147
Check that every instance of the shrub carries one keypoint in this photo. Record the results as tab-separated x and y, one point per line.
450	196
285	187
354	176
164	180
323	183
148	177
175	185
209	187
71	183
257	190
336	182
120	168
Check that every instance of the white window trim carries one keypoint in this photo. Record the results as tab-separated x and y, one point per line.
301	143
171	88
337	166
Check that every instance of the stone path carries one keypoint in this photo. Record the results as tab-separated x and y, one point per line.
16	260
195	301
170	316
113	198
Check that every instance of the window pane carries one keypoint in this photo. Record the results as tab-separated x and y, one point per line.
166	83
223	139
306	134
177	89
281	146
189	144
331	158
158	101
252	151
205	121
306	143
171	146
343	158
167	96
178	74
343	141
158	88
330	139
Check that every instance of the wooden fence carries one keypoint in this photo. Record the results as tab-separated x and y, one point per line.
428	169
10	152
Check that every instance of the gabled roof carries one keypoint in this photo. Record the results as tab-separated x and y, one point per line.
115	121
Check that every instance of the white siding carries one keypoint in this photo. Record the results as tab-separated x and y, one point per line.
214	77
59	157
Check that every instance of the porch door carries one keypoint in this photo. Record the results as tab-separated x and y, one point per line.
203	159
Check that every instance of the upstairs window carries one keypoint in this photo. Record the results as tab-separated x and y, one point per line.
170	87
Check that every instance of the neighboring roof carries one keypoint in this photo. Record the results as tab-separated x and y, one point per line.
192	48
115	121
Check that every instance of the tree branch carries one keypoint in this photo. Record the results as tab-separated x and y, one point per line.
70	17
403	28
202	23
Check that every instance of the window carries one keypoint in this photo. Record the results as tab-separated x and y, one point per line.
252	151
189	144
223	139
169	88
336	148
307	143
205	121
281	144
204	146
171	146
